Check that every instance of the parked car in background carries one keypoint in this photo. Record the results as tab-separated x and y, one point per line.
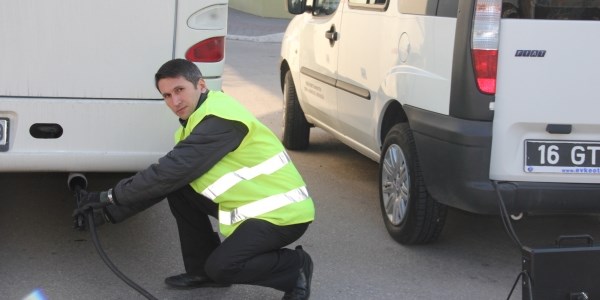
460	102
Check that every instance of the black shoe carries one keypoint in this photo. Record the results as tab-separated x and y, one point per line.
302	289
187	281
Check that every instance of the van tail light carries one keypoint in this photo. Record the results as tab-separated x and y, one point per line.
484	43
485	63
209	50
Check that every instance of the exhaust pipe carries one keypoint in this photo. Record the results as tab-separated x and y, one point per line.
76	182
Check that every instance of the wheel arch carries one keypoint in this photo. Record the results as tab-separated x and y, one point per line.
283	68
392	114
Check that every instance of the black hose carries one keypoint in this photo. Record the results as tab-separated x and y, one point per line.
78	183
513	235
505	217
108	262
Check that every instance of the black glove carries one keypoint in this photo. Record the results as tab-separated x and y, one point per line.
91	201
81	221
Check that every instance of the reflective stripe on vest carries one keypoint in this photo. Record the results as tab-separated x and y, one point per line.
229	180
262	206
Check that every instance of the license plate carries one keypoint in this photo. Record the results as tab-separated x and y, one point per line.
3	134
562	157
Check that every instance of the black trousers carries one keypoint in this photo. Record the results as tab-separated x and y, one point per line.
253	254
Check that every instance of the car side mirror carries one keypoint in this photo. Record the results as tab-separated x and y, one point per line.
296	7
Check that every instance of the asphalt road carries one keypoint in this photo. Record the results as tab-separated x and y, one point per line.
353	254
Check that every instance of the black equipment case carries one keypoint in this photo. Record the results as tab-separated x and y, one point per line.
562	272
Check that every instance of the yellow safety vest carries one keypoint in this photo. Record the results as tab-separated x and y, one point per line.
257	180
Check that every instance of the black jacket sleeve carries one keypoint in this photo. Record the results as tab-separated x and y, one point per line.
208	143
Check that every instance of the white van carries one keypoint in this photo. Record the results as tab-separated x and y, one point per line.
77	79
455	99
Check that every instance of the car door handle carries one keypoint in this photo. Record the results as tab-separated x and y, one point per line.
331	35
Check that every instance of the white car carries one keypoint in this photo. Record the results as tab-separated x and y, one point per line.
463	103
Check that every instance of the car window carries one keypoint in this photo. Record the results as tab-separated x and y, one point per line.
381	2
417	7
552	9
325	7
368	4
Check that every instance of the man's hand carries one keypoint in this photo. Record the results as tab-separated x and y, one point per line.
91	201
82	221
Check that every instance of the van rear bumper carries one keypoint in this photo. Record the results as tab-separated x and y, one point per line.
103	135
454	155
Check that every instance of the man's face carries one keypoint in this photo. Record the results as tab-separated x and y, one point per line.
181	95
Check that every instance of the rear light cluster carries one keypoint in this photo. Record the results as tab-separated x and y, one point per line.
209	50
208	19
484	43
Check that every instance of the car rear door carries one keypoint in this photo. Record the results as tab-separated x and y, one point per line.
546	124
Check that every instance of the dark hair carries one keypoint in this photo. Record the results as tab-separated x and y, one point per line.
178	67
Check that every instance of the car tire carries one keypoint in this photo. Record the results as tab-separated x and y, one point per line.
410	214
296	130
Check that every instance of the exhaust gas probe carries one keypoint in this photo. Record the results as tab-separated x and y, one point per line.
77	184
